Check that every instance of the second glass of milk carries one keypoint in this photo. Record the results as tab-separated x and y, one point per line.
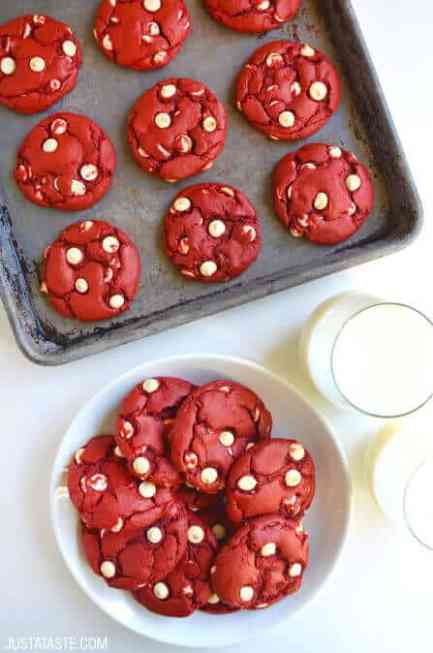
370	355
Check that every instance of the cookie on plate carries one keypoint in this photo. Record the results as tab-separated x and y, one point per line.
142	34
288	90
252	15
177	129
40	59
66	162
323	193
212	233
91	271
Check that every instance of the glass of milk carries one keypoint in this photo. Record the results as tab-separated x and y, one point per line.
366	354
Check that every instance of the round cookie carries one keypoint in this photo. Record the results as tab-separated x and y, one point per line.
40	59
91	271
187	588
130	560
252	15
276	476
212	429
262	563
322	193
145	416
288	90
141	34
212	233
177	129
66	162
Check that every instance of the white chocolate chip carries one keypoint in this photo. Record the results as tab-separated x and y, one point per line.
246	593
150	385
107	43
118	452
263	6
116	301
160	57
147	489
209	124
260	606
190	459
50	145
8	66
209	475
353	183
352	209
226	438
307	51
141	465
195	534
296	89
184	143
268	549
27	31
297	451
252	234
110	244
127	430
154	535
219	531
227	191
55	84
168	90
184	246
247	483
161	591
69	48
59	126
216	228
182	204
335	152
295	570
213	599
86	225
292	478
37	64
78	455
208	268
321	201
74	256
78	188
153	29
309	166
286	119
117	526
108	569
98	482
188	590
81	285
162	120
250	445
274	58
152	5
318	91
89	172
143	153
39	20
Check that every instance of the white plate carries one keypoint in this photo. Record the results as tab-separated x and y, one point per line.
327	521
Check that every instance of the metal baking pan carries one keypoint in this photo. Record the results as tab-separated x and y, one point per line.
138	201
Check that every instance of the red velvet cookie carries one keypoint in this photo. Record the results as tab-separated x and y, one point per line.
91	272
40	58
322	192
262	563
212	429
288	90
141	34
177	129
146	414
130	560
66	162
187	587
252	15
274	476
212	233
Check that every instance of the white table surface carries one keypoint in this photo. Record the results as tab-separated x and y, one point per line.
381	594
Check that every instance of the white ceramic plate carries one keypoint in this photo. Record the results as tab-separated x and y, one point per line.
327	521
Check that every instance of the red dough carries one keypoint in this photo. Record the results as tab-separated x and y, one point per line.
212	429
212	233
262	563
177	129
130	560
288	90
91	272
145	416
187	587
252	15
322	192
40	58
66	162
142	34
274	476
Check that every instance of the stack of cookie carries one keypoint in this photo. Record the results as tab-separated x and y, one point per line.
191	504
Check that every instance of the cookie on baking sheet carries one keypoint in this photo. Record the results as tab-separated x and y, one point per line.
322	193
142	34
40	59
212	233
187	587
252	15
288	90
177	129
91	271
213	428
145	416
262	563
66	162
276	476
130	560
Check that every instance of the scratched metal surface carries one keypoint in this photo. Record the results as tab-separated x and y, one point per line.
138	201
